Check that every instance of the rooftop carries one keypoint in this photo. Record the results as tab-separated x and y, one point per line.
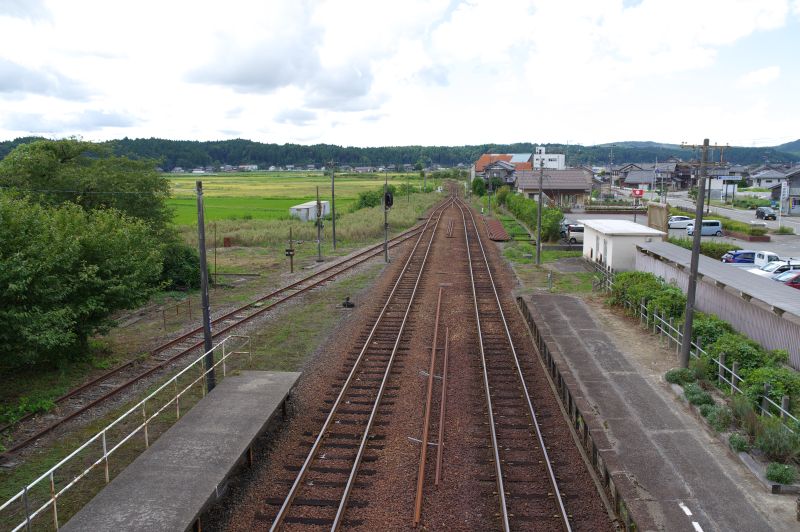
764	292
570	179
620	227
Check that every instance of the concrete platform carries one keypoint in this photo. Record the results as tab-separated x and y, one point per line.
649	443
170	485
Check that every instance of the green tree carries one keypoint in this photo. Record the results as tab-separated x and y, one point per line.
63	272
53	172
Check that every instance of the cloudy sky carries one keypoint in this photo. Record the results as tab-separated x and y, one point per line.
381	72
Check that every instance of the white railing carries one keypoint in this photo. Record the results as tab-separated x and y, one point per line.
21	502
673	335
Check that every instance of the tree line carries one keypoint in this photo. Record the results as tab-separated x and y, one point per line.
190	154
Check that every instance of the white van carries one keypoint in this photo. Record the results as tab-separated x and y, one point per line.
575	234
763	258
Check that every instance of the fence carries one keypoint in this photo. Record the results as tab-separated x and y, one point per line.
672	334
50	489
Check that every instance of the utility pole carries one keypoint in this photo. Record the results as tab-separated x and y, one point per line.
319	228
208	360
290	252
333	207
539	215
698	230
611	166
385	219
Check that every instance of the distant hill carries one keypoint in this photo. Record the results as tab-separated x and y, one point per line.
790	147
190	154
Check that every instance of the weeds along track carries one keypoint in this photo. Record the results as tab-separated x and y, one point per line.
109	384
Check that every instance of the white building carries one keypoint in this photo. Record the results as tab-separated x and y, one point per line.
308	211
613	242
555	161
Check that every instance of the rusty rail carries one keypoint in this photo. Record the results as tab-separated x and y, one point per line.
442	403
426	423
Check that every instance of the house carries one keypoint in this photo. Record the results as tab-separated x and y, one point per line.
644	179
178	170
790	204
553	161
613	242
565	188
248	167
768	178
500	170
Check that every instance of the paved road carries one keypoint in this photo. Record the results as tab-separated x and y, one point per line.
682	199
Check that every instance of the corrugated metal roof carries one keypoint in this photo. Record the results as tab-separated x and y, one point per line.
520	157
570	179
771	293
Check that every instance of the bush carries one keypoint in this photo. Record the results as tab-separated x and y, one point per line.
739	442
702	368
709	328
784	230
739	348
181	270
680	376
669	302
371	198
714	250
696	395
781	473
783	381
525	210
744	413
478	186
705	410
635	286
776	441
502	194
720	418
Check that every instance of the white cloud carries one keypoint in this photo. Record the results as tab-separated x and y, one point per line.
362	72
760	77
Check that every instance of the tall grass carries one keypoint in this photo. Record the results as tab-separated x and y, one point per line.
352	227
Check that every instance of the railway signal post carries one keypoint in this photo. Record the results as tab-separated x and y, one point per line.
290	252
319	228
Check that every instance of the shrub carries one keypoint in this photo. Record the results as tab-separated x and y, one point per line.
669	302
782	380
781	473
709	328
739	348
371	198
502	194
181	269
715	250
705	410
720	418
777	442
739	442
478	186
745	414
634	286
784	230
696	395
680	376
701	368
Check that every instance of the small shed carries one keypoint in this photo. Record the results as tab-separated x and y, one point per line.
308	211
613	242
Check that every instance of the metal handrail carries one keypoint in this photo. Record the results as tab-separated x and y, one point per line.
141	406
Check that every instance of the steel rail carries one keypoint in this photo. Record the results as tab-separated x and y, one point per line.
423	453
531	410
359	455
492	429
281	515
370	253
442	402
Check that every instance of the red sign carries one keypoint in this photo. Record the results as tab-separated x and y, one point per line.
638	192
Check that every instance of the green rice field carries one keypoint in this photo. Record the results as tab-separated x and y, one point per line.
267	196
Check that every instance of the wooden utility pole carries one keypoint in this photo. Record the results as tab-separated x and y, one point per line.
333	208
208	360
539	214
319	228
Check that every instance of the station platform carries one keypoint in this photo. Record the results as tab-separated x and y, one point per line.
171	484
671	472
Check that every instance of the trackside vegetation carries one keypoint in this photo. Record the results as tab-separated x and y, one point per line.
756	367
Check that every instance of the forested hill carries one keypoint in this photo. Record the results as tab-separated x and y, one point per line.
190	154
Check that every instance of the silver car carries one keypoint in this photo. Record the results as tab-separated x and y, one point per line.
678	222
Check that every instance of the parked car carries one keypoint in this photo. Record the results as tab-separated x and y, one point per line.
709	228
790	279
775	267
739	256
575	234
765	257
766	213
565	223
679	222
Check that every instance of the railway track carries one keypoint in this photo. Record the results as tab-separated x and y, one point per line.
322	488
523	468
109	384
